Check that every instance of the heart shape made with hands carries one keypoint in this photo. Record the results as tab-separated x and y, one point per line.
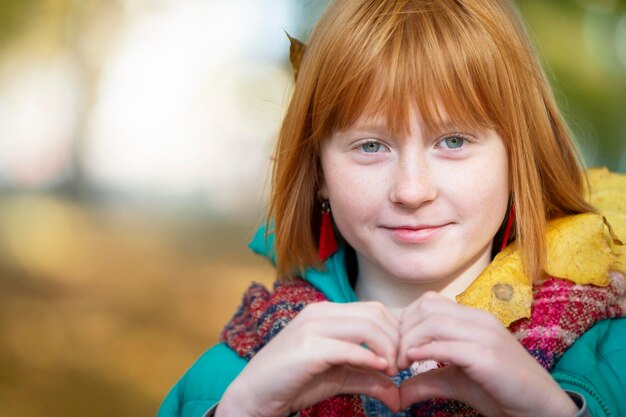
418	326
466	354
453	351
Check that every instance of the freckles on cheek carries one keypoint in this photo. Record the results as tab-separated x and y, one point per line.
354	197
352	182
483	194
349	193
493	202
488	175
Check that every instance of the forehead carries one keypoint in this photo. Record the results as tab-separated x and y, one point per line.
394	94
383	118
403	60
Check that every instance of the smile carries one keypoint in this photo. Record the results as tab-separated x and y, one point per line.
421	234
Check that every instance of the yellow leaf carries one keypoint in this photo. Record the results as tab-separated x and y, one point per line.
601	179
581	248
296	52
607	192
502	288
578	250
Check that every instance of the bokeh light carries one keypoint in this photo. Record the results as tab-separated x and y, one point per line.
135	143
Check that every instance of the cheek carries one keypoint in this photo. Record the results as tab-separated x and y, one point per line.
497	185
494	203
355	198
351	185
482	193
491	202
488	190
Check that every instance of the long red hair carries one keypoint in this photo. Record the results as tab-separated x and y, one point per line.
383	56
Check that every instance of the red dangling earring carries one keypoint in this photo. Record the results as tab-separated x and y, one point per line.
327	243
509	226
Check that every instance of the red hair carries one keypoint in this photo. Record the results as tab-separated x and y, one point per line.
471	57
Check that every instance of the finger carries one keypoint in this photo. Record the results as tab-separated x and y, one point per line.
373	311
362	331
357	330
449	383
372	384
442	328
463	354
485	378
434	304
337	352
426	386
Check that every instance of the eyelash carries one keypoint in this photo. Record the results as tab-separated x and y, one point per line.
359	146
461	136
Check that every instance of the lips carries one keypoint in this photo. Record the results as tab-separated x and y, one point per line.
416	234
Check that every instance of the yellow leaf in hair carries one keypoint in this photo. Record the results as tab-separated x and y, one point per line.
296	52
501	289
578	249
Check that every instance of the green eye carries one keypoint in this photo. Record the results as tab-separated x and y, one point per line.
371	147
454	142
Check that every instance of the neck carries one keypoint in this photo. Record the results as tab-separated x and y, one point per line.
373	284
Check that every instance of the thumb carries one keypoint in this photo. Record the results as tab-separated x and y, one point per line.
373	384
432	384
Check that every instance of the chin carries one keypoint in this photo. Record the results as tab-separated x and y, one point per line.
410	277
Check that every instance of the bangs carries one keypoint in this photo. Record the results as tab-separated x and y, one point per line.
460	64
428	57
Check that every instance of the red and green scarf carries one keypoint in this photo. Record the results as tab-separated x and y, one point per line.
561	312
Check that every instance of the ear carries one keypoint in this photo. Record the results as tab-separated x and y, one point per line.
322	192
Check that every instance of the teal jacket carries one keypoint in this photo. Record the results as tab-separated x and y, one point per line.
595	366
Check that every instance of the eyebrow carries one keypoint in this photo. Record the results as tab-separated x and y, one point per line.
379	125
370	126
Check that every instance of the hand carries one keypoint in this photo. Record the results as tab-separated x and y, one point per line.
488	369
319	354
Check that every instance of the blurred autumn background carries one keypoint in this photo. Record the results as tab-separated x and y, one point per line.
135	138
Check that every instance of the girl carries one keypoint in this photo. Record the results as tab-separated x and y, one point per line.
422	138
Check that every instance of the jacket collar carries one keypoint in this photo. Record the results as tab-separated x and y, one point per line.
332	281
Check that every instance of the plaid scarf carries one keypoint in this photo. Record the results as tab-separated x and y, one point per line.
562	311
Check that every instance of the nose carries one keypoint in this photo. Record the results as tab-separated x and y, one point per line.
413	184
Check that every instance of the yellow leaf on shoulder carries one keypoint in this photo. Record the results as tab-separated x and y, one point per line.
501	289
607	193
578	250
581	248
